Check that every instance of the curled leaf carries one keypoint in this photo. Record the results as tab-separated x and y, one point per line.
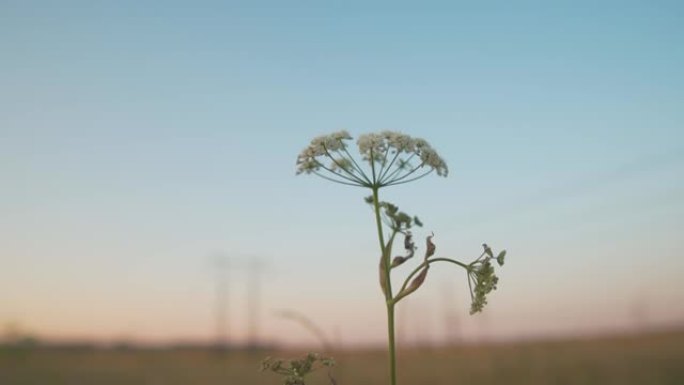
410	250
430	249
408	241
398	260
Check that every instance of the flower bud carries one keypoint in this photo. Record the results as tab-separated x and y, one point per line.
488	250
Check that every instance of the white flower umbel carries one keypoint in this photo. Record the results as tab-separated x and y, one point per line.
387	158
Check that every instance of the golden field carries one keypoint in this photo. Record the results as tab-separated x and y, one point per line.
648	359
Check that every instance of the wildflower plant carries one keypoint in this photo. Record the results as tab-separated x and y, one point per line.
388	159
295	371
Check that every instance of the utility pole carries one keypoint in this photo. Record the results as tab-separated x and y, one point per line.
451	316
222	265
255	268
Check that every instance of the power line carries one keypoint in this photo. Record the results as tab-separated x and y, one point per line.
634	168
255	269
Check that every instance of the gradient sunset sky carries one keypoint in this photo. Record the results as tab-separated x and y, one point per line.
139	140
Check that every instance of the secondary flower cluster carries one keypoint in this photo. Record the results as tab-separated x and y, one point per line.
389	158
482	279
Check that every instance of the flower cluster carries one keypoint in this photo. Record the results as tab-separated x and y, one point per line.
377	147
482	279
324	145
389	158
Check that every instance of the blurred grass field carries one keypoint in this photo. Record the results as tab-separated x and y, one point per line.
656	358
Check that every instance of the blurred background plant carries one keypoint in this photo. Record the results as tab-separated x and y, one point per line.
294	371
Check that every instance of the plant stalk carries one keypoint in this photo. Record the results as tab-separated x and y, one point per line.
392	349
389	301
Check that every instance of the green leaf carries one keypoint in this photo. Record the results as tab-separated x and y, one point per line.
500	257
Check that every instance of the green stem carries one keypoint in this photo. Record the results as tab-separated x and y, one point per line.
392	350
388	289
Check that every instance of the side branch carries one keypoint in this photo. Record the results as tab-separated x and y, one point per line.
397	170
357	167
335	180
396	182
402	292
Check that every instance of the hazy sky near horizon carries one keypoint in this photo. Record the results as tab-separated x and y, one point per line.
139	141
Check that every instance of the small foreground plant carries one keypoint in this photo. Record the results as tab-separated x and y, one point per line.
294	371
388	159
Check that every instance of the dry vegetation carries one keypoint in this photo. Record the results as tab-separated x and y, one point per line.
650	359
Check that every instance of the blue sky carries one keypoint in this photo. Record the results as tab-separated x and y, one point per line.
138	140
